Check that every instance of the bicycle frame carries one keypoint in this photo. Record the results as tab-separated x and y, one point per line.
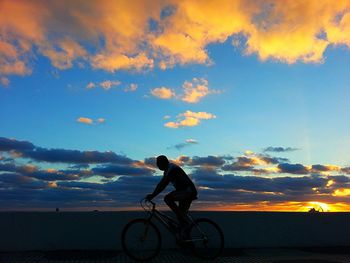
167	221
163	218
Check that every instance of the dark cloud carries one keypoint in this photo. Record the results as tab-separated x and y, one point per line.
206	174
151	161
279	149
236	167
14	145
319	168
316	168
45	175
87	185
247	163
14	180
28	150
126	181
128	190
346	170
209	161
341	179
180	146
75	156
115	170
292	168
60	175
273	160
8	167
184	160
79	166
212	179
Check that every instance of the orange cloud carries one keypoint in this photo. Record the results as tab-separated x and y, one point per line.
132	87
193	91
91	121
163	93
68	51
4	81
189	119
30	168
106	85
342	192
122	37
101	120
109	84
91	85
85	120
52	185
198	115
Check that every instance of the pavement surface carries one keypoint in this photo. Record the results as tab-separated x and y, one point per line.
309	255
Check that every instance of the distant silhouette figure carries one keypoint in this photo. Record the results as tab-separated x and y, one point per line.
314	210
185	191
57	209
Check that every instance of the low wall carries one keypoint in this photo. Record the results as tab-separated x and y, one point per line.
20	231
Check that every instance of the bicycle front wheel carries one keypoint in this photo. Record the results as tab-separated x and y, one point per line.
207	239
141	240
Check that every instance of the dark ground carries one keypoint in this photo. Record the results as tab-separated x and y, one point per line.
280	255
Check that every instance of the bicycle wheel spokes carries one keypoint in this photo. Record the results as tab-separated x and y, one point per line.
207	239
141	239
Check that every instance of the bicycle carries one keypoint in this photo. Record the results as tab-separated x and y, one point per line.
141	238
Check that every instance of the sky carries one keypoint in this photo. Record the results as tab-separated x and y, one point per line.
250	98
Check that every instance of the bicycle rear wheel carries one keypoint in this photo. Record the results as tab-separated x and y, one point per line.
207	238
141	240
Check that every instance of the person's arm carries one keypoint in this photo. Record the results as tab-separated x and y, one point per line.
160	187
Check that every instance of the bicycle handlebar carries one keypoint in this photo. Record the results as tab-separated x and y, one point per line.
145	202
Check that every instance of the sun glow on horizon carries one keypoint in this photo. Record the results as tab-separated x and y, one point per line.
279	207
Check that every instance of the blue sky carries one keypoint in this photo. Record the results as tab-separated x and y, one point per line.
225	90
260	104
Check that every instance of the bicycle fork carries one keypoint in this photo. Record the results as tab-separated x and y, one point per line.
145	232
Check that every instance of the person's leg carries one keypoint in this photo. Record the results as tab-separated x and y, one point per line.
184	205
184	199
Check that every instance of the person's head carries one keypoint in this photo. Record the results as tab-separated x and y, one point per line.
162	162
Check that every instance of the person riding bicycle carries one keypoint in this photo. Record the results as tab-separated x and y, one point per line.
185	190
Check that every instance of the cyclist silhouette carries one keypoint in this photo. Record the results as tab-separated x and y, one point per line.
185	191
